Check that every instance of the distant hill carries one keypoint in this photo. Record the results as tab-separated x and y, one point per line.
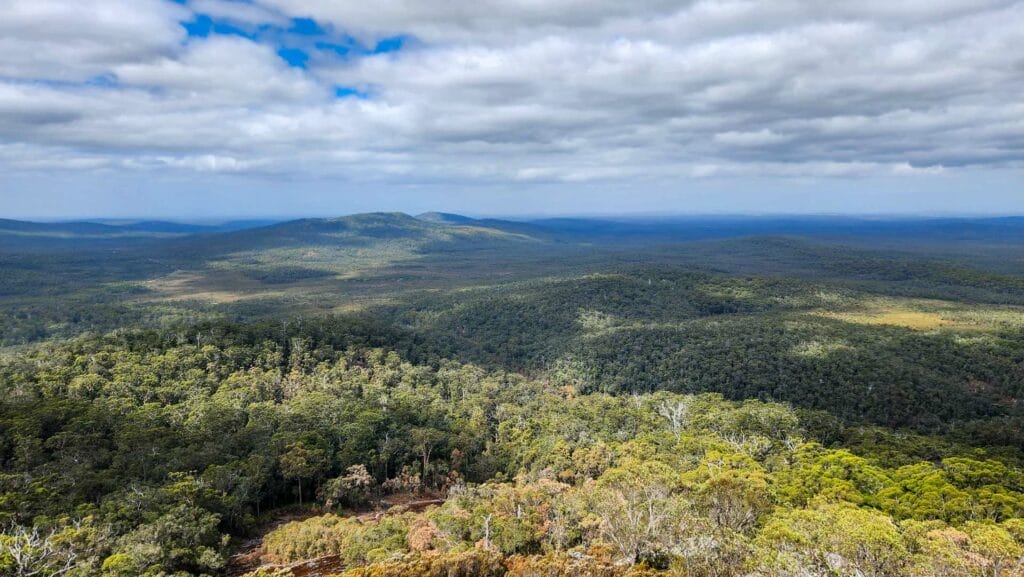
843	228
26	235
174	227
156	226
18	236
8	226
361	236
376	225
447	231
445	218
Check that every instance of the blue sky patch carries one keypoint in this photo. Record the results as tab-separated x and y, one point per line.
349	92
105	80
295	42
294	57
203	26
393	44
342	49
306	27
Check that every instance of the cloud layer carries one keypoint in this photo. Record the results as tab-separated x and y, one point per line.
516	92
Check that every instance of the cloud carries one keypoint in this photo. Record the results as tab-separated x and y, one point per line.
516	92
440	20
221	70
62	40
245	13
759	138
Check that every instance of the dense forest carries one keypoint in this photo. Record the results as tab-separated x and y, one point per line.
389	395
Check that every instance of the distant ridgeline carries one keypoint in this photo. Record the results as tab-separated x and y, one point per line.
696	397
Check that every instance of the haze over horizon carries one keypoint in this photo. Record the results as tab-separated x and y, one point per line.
250	220
287	108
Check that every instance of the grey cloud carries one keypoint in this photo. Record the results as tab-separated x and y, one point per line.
69	40
223	70
239	12
523	91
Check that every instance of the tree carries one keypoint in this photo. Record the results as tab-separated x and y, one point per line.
31	552
637	509
997	545
184	539
735	499
939	551
837	538
300	462
677	412
425	439
353	488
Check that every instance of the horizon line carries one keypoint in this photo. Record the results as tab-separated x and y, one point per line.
226	219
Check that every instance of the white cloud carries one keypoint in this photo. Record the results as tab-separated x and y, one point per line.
66	40
239	12
758	138
519	92
441	20
219	70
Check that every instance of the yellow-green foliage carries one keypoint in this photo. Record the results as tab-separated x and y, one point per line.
354	541
307	539
461	564
916	320
480	563
641	515
837	538
926	315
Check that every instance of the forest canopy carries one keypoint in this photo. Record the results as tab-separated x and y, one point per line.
140	453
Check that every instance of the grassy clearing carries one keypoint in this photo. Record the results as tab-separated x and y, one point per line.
930	315
914	320
819	348
190	286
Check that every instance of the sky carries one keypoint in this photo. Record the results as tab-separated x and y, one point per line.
278	108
